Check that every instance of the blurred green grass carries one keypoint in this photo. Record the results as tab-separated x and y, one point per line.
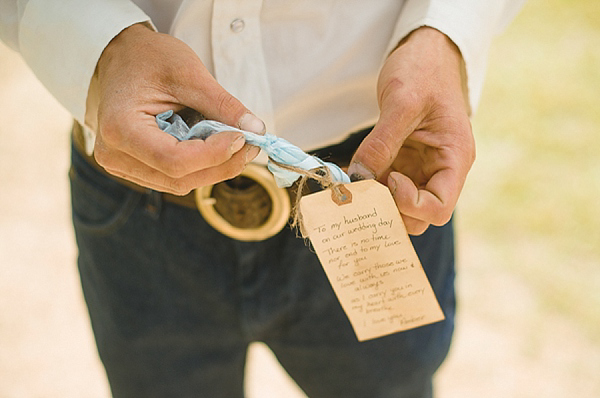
535	188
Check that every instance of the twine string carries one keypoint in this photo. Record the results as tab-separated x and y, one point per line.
322	176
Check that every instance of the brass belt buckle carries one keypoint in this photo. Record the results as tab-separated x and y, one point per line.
276	220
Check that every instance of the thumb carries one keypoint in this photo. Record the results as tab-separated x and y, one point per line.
227	109
214	102
378	150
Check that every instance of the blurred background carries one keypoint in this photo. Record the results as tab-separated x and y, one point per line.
528	228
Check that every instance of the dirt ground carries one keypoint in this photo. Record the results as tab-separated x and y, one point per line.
507	343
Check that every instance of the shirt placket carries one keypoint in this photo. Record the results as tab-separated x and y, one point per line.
238	57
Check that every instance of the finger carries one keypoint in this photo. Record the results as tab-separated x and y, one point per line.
162	152
432	204
414	226
206	95
379	149
135	171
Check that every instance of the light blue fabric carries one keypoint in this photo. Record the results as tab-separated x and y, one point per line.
278	149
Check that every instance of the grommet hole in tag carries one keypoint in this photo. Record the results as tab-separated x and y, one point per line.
341	195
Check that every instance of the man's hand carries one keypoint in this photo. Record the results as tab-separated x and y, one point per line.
142	73
422	146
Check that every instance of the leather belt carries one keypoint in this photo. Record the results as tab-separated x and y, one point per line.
249	207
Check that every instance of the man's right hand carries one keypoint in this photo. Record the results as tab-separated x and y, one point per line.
142	73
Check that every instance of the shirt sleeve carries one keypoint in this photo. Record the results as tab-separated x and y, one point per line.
470	24
10	13
61	41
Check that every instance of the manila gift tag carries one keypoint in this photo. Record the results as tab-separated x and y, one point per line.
369	260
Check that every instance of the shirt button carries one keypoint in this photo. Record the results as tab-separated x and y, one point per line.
237	25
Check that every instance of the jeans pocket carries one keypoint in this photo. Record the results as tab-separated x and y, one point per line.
100	205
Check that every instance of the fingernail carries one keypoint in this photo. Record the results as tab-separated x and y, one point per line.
250	122
359	172
356	177
392	185
237	144
251	153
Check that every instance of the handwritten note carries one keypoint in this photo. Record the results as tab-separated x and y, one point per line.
369	260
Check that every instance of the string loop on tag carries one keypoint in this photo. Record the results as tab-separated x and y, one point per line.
322	175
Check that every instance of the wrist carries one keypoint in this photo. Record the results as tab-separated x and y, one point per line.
431	37
127	38
439	49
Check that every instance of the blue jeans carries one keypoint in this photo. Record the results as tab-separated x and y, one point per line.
174	304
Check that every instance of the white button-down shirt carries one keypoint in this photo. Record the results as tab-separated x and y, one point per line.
307	68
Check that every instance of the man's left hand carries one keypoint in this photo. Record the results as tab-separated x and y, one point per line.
422	146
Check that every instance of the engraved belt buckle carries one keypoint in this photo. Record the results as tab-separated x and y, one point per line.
209	202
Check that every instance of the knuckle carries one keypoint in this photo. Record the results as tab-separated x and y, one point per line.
420	230
472	152
173	169
471	158
467	141
178	187
397	92
110	135
377	150
102	156
227	104
415	227
441	217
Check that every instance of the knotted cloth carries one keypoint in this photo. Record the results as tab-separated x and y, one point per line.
287	162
